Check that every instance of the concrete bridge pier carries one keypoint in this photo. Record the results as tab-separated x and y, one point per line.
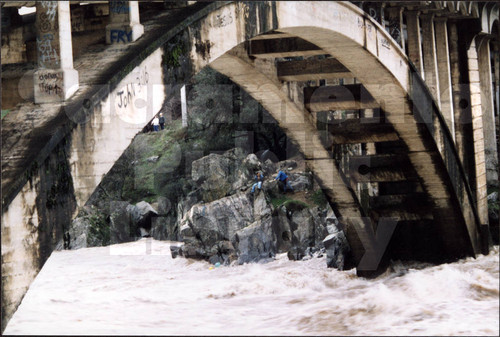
414	40
444	72
124	24
483	43
55	80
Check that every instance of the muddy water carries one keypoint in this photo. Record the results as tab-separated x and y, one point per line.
137	288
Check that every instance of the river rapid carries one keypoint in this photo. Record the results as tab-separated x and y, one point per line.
138	289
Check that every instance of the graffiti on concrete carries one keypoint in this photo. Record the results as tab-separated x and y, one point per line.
385	43
47	53
119	7
50	8
130	102
118	35
47	18
142	78
393	29
51	84
373	13
223	20
124	97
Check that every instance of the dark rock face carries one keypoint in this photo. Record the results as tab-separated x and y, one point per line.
245	227
219	175
256	241
337	246
141	215
121	223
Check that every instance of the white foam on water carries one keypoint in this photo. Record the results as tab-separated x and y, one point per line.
138	289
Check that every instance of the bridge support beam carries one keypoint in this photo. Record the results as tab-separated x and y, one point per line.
124	24
456	58
431	68
444	73
429	56
414	40
478	133
487	106
55	80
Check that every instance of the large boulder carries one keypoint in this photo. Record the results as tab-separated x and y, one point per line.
121	226
217	174
269	168
78	232
164	225
281	226
256	241
141	215
207	224
300	181
337	250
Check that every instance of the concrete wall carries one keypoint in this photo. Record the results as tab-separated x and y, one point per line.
97	143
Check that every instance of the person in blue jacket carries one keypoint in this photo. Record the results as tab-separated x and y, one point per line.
283	181
259	178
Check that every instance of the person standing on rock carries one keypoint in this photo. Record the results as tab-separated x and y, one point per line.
283	181
162	121
259	177
156	123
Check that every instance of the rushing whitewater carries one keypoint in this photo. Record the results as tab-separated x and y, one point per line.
137	288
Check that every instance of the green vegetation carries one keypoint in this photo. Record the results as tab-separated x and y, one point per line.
171	57
318	198
290	204
4	112
98	230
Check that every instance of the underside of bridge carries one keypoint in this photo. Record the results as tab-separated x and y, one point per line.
392	104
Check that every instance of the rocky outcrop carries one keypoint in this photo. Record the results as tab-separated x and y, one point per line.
336	245
205	225
120	222
245	227
219	175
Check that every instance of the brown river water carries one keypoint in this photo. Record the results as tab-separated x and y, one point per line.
138	289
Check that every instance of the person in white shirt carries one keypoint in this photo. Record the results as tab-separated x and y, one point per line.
156	123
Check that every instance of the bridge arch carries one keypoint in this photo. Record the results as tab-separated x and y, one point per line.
344	32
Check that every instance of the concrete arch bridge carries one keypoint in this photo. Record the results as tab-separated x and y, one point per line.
393	106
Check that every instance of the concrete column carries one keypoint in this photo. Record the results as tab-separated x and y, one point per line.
414	40
124	24
429	55
443	64
456	87
431	69
488	115
395	26
55	79
478	133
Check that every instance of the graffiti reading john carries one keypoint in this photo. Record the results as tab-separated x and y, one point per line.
124	97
